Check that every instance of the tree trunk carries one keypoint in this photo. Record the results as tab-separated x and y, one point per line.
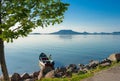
2	61
2	56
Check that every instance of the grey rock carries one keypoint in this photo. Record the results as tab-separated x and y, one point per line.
25	76
40	76
114	57
50	74
29	80
62	69
105	64
81	65
72	68
68	74
58	75
105	61
35	74
16	77
93	64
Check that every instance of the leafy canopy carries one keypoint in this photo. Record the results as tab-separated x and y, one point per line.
19	17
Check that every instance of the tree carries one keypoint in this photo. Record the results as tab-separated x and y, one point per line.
19	17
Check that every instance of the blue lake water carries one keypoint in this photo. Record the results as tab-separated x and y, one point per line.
22	55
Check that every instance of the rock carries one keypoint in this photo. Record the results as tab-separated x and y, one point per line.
68	74
87	67
29	80
114	57
57	69
1	78
58	75
44	71
62	69
105	61
47	69
59	72
81	67
16	77
25	76
72	68
40	76
50	74
93	64
85	70
35	74
105	64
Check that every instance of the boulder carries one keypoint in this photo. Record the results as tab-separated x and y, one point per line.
62	69
105	64
59	74
114	57
44	71
68	74
25	76
50	74
35	74
105	61
72	68
81	67
47	69
29	80
1	78
93	63
40	76
16	77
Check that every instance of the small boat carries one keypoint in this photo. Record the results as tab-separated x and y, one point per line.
46	61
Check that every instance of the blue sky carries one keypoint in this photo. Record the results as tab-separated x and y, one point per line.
90	16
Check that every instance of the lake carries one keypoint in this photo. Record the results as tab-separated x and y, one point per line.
22	55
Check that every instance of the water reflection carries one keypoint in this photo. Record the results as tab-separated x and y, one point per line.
65	37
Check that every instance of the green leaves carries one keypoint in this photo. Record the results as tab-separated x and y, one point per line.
29	14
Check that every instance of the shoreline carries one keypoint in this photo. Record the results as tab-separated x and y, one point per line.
68	70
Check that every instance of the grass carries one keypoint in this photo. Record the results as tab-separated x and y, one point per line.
81	75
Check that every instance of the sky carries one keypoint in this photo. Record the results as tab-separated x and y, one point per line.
89	16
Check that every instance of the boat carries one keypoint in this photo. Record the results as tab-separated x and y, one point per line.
45	61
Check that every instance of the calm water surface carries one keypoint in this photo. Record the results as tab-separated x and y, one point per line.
22	54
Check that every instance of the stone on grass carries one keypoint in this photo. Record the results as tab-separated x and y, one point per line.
29	80
114	57
50	74
105	64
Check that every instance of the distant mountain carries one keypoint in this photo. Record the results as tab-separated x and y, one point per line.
66	32
116	33
62	32
71	32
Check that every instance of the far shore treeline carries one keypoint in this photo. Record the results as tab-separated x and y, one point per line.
71	32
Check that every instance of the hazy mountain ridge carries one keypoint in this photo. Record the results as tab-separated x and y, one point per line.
66	32
71	32
84	33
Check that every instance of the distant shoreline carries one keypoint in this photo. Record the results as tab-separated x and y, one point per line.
71	32
68	34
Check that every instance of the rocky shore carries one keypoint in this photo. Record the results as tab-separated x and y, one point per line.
63	71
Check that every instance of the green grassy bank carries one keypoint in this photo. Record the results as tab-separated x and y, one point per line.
79	76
